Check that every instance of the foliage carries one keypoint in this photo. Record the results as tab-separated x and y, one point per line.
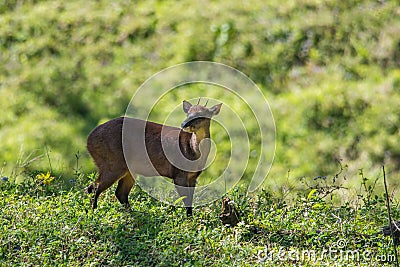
67	66
51	225
329	69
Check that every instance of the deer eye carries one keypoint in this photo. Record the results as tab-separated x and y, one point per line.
195	121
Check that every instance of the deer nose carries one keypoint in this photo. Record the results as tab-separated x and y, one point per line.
185	123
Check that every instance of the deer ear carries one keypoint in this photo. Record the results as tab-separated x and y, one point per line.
215	109
186	106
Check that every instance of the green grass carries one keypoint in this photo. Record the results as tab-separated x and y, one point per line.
52	225
329	69
65	67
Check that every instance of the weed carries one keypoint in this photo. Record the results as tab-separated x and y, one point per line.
44	225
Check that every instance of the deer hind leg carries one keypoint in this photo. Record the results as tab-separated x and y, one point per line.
125	185
104	181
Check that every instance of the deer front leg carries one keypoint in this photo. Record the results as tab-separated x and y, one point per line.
185	188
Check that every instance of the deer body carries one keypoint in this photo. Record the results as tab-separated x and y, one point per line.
149	149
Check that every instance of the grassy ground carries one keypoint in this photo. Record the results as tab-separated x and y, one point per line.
51	225
66	66
330	71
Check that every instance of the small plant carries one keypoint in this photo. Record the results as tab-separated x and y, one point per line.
325	186
77	169
45	178
368	188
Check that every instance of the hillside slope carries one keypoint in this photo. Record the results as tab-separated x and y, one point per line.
330	71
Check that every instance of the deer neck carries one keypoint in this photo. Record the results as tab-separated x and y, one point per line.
196	144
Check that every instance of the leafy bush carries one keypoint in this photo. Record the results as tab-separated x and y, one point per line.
66	67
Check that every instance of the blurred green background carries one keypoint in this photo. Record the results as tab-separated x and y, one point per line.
329	69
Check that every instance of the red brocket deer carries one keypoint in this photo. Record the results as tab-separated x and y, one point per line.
125	147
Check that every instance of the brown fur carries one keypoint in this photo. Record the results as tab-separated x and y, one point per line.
104	144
